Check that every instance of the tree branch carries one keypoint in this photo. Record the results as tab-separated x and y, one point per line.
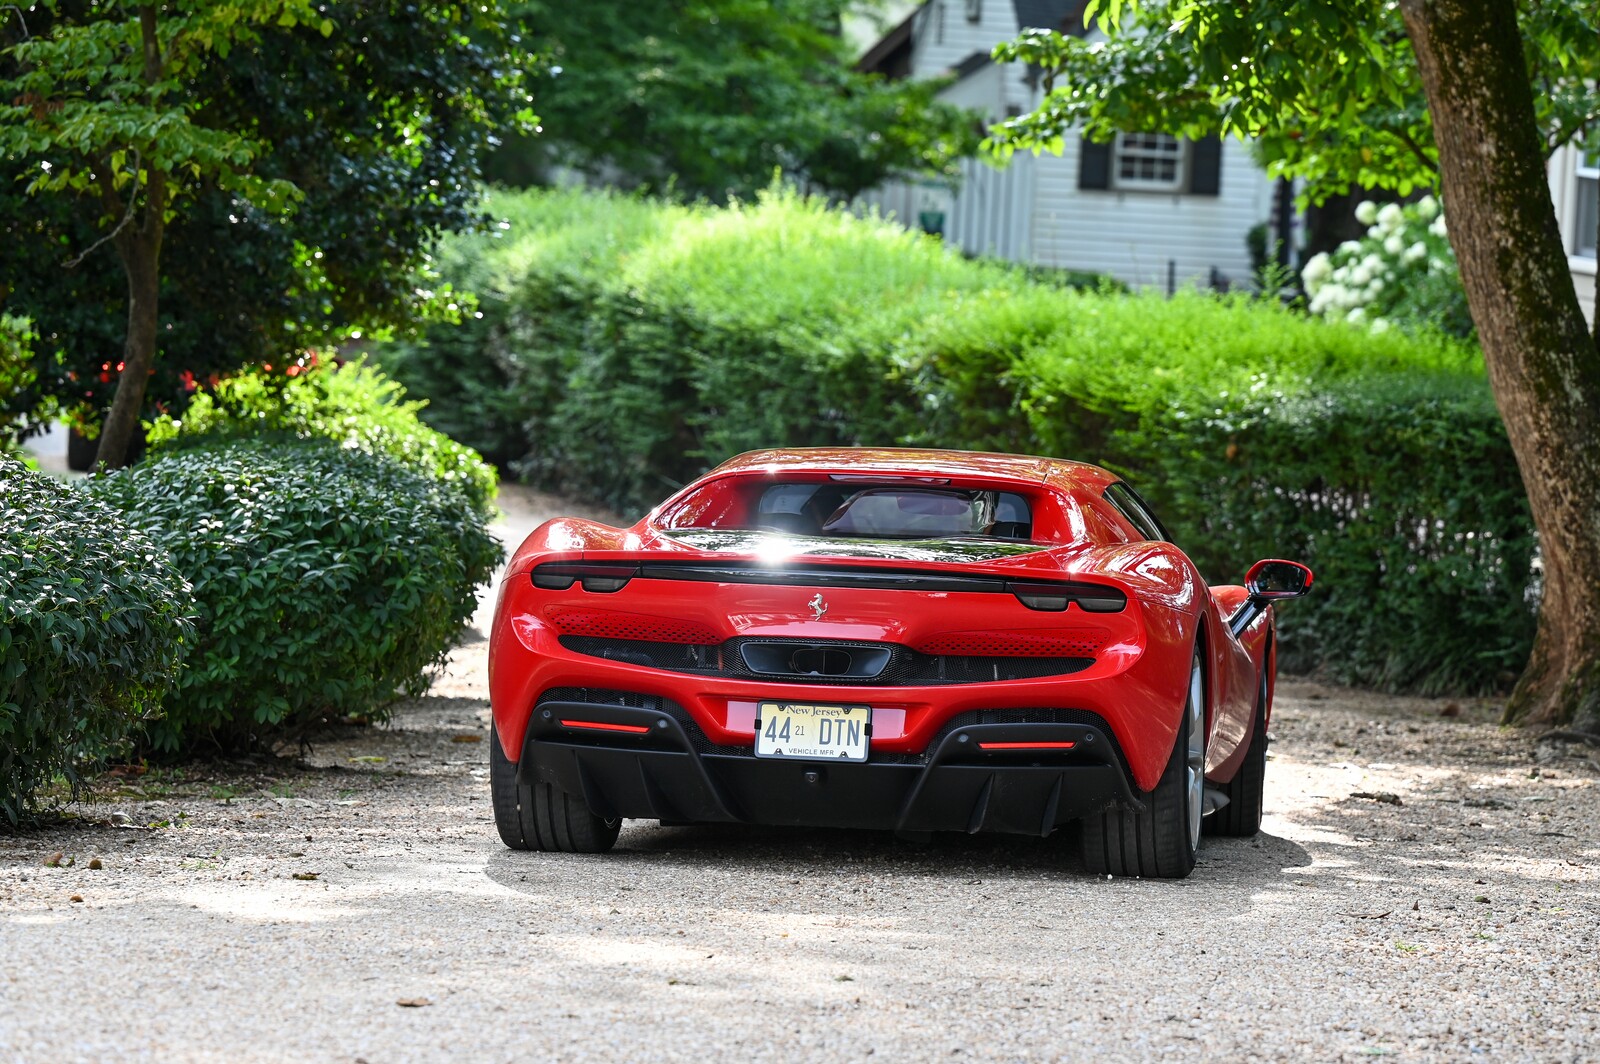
1561	136
1416	149
113	205
13	7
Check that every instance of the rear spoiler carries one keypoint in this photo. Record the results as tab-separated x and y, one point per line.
1047	595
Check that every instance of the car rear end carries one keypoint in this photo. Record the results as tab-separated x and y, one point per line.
703	672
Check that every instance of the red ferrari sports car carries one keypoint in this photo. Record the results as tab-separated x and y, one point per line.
914	640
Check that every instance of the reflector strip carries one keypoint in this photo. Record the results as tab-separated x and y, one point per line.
1026	746
599	725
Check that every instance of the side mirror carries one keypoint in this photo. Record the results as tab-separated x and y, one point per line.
1276	579
1267	581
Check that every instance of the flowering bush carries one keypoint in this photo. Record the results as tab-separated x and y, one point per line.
1402	273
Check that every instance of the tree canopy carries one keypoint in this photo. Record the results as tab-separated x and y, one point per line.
342	144
1329	91
709	97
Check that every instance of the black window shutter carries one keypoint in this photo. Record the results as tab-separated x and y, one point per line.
1205	166
1094	164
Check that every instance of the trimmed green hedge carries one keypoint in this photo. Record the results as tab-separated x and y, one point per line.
93	622
625	346
326	580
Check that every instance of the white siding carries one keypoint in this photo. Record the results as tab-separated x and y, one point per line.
1134	235
1564	193
990	215
942	37
1583	280
1033	211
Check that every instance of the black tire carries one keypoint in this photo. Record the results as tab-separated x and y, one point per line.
1241	817
540	816
1159	841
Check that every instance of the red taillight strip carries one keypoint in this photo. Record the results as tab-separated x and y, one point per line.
600	725
1026	746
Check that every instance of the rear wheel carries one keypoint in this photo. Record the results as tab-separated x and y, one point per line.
1160	840
1241	817
541	817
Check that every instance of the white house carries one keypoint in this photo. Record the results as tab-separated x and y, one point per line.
1575	187
1148	208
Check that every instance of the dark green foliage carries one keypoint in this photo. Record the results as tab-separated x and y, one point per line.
353	404
93	621
708	98
627	347
383	125
16	373
326	581
1404	497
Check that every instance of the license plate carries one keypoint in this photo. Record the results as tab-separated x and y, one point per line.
811	732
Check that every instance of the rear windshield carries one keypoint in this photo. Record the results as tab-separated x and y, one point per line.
891	511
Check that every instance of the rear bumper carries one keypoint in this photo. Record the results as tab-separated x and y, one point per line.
670	771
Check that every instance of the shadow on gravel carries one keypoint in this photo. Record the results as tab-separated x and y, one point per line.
1249	863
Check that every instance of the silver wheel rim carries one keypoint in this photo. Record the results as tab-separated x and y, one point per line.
1195	767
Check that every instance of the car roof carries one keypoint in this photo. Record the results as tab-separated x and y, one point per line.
920	461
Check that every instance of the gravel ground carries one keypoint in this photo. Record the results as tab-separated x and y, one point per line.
1426	887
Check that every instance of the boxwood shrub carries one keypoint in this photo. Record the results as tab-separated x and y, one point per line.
93	623
625	347
326	580
353	404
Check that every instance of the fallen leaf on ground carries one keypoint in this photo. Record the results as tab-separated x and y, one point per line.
77	897
1450	709
1385	797
54	860
466	738
413	1003
94	863
1369	916
307	875
370	759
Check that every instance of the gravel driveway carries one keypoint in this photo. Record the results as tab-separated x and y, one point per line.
1426	887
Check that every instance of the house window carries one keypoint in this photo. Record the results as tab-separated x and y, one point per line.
1588	202
1151	161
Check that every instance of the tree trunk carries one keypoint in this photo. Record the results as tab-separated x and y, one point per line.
139	247
141	261
1541	358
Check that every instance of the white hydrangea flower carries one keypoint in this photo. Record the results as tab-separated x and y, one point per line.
1361	276
1437	228
1391	217
1350	247
1318	269
1356	316
1415	253
1427	208
1394	243
1374	263
1379	325
1366	212
1375	287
